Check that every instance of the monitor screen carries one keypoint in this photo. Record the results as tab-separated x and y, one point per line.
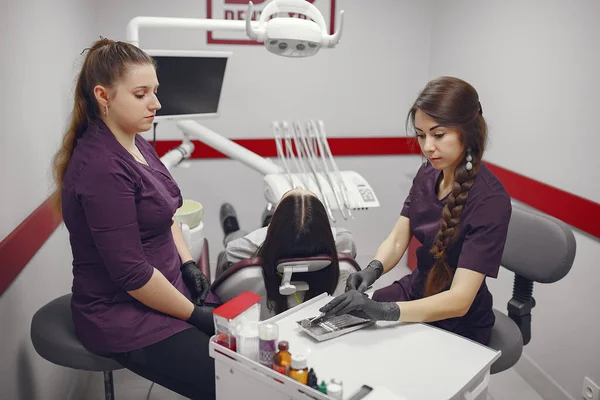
190	82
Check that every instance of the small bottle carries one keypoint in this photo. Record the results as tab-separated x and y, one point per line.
299	370
323	387
312	379
283	358
335	389
267	339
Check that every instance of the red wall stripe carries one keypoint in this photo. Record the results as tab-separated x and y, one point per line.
577	211
358	146
21	245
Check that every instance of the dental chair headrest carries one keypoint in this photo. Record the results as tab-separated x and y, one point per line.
307	264
298	265
247	275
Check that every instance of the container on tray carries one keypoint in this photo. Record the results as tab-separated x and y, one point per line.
243	308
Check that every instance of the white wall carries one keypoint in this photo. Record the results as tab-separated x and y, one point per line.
39	43
535	66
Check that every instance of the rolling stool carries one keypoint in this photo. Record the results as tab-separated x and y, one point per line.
53	337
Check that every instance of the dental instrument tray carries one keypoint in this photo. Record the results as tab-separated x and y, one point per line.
331	327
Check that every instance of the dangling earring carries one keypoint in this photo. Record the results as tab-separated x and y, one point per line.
106	111
469	165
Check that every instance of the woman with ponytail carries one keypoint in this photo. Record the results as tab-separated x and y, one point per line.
138	296
457	209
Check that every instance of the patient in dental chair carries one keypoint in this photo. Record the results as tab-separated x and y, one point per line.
299	227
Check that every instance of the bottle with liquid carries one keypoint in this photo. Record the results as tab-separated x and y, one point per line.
267	339
323	387
299	370
312	379
283	359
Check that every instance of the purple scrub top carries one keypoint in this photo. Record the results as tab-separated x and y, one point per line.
119	214
479	247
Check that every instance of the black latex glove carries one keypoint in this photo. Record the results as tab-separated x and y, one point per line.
363	279
202	318
196	282
358	303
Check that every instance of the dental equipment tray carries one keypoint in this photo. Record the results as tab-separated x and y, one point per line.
332	327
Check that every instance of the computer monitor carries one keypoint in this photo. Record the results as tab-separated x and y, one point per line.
190	82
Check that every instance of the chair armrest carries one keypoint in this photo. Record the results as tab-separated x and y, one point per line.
248	262
204	261
257	261
349	260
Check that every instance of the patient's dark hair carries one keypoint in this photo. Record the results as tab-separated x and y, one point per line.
453	103
299	228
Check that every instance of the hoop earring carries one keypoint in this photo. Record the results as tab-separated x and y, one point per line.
106	111
469	158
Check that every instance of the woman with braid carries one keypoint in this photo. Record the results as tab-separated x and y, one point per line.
457	209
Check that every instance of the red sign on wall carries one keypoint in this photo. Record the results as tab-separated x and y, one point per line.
236	10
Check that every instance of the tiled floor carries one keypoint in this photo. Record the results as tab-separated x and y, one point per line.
507	385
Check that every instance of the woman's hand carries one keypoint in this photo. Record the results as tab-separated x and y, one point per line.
363	279
196	282
354	300
202	318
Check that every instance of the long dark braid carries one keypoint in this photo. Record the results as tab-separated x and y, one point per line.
440	275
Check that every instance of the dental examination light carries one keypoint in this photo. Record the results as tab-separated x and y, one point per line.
282	35
292	37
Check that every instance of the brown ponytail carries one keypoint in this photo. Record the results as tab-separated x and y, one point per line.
452	102
105	63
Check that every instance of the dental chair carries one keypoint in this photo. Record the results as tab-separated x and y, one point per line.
247	275
539	248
